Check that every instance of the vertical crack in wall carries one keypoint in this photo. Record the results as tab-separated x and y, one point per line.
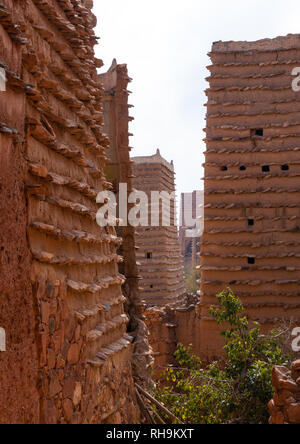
79	369
160	262
251	238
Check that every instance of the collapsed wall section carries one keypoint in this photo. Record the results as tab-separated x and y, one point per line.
251	238
70	347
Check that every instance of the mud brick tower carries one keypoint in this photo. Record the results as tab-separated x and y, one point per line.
251	239
160	261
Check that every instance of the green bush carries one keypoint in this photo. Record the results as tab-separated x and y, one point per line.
234	392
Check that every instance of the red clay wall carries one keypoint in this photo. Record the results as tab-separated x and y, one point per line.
17	308
19	397
119	171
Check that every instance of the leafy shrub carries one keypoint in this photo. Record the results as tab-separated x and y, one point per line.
235	392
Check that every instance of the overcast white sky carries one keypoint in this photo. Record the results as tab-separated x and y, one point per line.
165	45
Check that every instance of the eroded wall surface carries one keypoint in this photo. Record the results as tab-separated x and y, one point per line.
69	354
251	238
158	254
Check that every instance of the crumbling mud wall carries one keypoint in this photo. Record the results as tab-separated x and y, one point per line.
68	356
169	327
251	238
160	262
119	171
285	406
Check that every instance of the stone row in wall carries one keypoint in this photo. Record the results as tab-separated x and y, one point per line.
63	306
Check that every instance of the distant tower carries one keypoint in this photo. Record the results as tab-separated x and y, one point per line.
160	261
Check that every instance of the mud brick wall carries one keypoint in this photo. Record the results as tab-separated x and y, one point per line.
61	303
251	240
119	171
285	405
160	262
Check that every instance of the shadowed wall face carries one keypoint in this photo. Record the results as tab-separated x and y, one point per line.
68	356
251	240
